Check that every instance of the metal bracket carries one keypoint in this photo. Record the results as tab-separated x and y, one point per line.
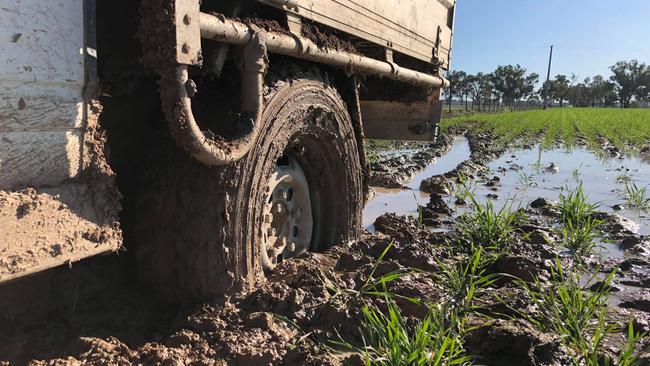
389	60
295	24
188	32
435	52
289	4
389	54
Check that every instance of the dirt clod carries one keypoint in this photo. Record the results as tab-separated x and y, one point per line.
435	184
541	203
516	343
327	40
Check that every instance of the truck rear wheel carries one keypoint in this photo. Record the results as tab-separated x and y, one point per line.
205	231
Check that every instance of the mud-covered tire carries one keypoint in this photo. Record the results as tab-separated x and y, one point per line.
198	230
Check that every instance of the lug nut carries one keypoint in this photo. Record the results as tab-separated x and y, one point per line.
296	213
292	247
278	208
282	243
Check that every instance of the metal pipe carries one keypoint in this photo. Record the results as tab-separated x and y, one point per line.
225	30
178	89
177	95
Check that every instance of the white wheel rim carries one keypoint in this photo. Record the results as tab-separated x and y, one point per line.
287	218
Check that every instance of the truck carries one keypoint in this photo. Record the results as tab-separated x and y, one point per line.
212	140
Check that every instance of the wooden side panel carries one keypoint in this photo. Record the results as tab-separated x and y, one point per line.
22	108
47	218
406	26
41	91
33	159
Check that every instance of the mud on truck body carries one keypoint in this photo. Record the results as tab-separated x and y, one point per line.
213	139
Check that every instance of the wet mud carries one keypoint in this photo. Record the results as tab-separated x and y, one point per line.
405	200
330	39
299	312
44	227
393	169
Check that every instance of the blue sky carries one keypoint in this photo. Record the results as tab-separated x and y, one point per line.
589	35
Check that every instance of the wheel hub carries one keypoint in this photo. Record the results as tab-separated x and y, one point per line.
287	219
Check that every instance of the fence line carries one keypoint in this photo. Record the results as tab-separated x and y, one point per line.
494	106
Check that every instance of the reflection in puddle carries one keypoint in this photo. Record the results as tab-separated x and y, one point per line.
609	250
404	201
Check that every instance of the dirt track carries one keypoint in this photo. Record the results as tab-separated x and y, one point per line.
312	300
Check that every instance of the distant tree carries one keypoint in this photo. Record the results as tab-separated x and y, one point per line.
506	80
560	89
579	95
479	89
513	83
630	78
643	93
487	90
528	88
496	84
602	92
464	89
455	80
474	88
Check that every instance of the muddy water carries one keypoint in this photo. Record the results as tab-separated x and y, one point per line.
405	201
527	176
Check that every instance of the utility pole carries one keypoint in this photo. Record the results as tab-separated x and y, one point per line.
547	87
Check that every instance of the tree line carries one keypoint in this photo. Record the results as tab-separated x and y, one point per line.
512	86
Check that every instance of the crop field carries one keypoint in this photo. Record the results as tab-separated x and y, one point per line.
564	184
627	129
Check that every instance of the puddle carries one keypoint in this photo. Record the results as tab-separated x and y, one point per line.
623	285
404	201
524	178
609	250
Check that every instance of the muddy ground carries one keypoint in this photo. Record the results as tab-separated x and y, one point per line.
309	303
